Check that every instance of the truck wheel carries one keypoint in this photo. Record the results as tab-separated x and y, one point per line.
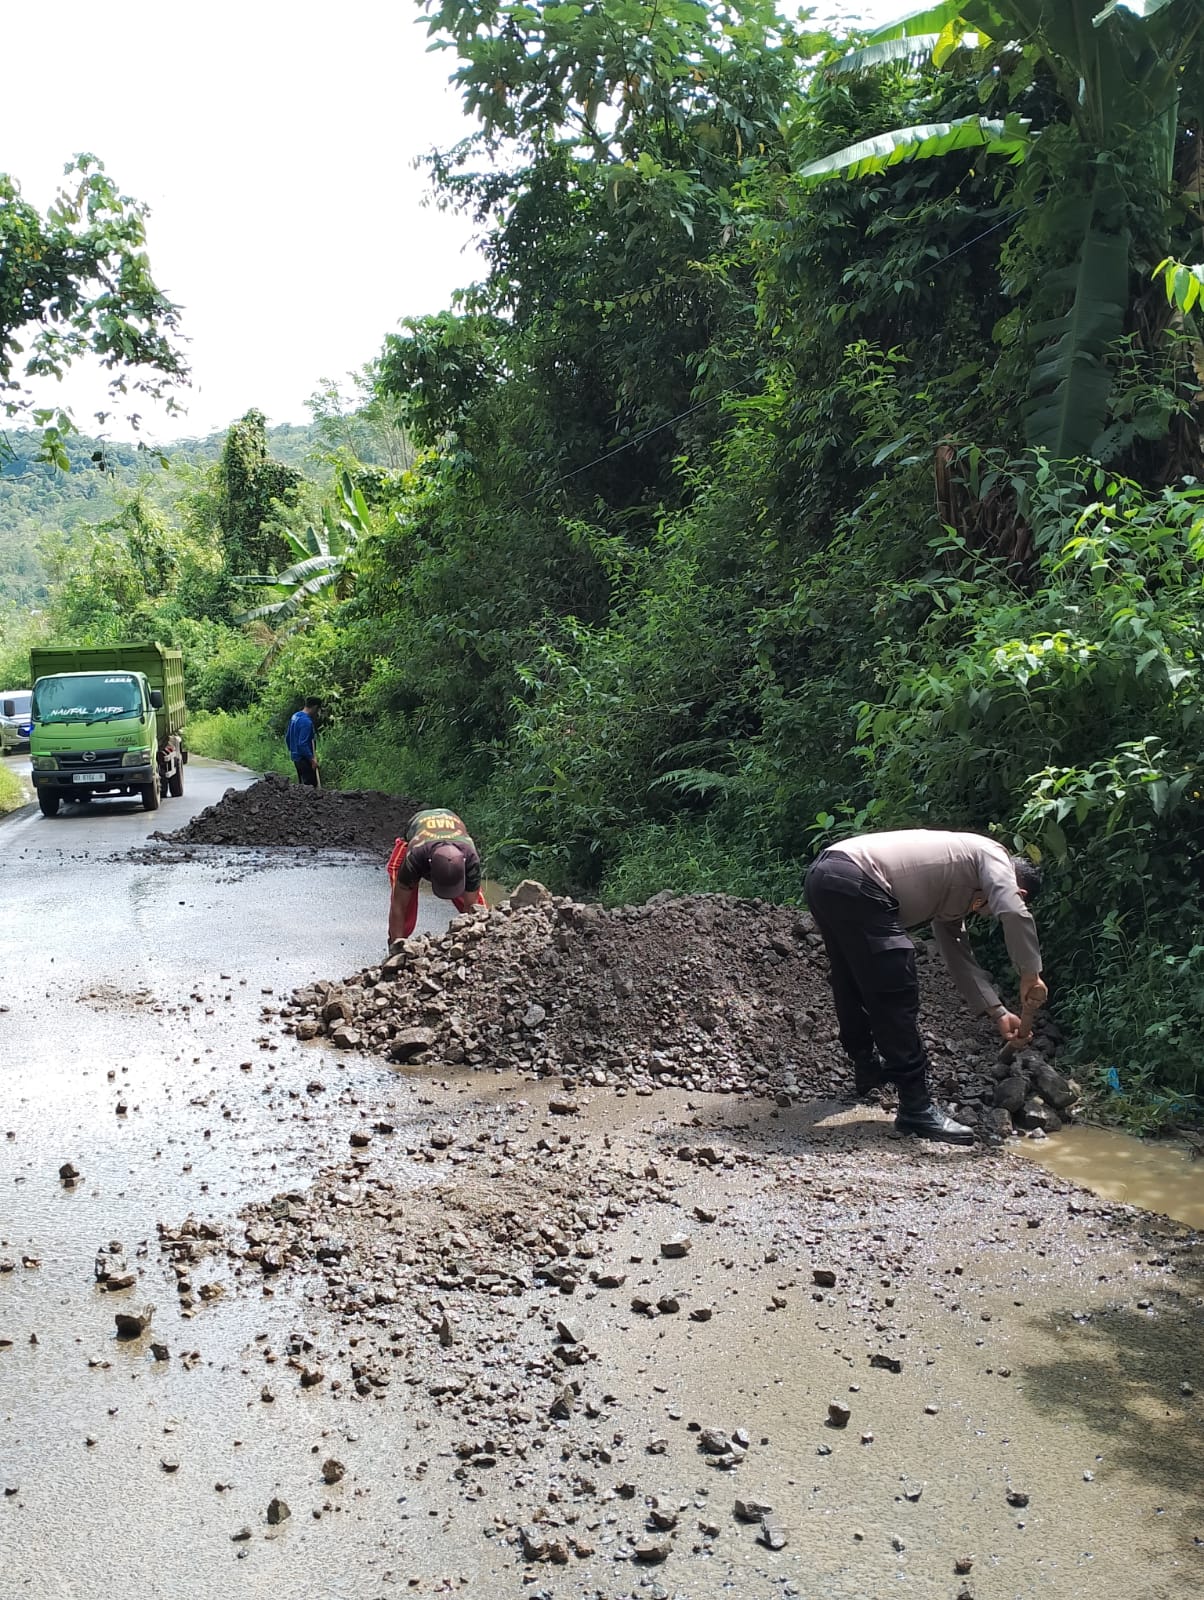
48	803
150	796
175	784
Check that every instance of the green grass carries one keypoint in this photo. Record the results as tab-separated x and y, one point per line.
239	736
12	791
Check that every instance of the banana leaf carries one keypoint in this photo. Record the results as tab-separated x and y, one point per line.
1139	8
1071	379
931	20
909	48
868	156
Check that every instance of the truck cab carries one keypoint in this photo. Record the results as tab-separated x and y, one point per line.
100	732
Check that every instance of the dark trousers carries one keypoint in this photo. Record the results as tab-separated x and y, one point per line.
873	965
307	771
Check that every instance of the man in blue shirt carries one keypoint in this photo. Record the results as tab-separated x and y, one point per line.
301	745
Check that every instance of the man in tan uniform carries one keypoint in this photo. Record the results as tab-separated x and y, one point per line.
864	894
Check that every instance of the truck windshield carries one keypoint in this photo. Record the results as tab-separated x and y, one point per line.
86	697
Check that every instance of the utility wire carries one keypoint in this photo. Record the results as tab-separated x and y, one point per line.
671	422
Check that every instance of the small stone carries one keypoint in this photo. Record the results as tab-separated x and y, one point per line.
678	1245
751	1510
333	1471
714	1441
240	1535
651	1551
169	1464
530	892
278	1511
535	1546
160	1352
824	1277
360	1140
68	1173
410	1042
772	1534
838	1414
886	1363
962	1565
563	1107
569	1330
1053	1088
131	1325
1017	1498
701	1314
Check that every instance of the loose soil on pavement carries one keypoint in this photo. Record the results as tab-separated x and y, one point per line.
276	812
702	992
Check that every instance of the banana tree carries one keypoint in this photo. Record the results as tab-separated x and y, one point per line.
321	566
1095	206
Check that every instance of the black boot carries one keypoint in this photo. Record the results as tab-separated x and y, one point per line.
919	1115
867	1074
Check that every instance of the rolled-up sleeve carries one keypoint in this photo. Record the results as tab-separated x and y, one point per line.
973	985
1005	901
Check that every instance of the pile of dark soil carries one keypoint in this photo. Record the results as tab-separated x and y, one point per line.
701	992
276	812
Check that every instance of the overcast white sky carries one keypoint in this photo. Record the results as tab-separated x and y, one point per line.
274	144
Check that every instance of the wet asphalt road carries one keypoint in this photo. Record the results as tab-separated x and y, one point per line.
133	995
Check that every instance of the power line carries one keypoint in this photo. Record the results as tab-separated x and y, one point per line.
671	422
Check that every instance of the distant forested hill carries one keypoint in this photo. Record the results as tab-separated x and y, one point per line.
39	501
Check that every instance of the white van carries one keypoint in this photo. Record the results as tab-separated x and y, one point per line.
16	722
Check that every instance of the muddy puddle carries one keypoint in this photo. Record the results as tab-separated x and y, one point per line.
1166	1178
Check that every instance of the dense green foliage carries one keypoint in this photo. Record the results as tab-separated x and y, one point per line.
715	525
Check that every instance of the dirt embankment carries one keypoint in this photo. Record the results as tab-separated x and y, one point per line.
701	992
276	812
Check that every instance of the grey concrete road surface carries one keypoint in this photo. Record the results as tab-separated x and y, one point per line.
1049	1346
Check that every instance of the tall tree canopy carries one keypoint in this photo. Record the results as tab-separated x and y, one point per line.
76	282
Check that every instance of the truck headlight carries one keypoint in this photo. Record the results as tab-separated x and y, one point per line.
135	758
44	764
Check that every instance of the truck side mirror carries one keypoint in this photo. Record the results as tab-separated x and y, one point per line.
9	708
156	700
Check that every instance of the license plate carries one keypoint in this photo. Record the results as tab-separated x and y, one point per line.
88	777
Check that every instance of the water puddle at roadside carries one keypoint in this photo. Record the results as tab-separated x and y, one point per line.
1163	1177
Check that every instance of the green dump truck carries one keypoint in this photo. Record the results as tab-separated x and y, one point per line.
107	719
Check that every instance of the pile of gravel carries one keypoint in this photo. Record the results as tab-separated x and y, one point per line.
276	812
702	992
